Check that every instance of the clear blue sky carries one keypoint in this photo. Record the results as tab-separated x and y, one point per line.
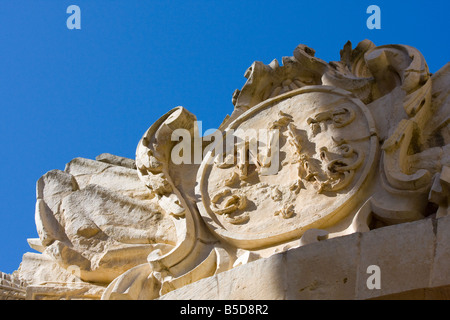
78	93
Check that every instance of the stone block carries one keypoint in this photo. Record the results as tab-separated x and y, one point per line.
264	279
404	254
204	289
323	270
440	274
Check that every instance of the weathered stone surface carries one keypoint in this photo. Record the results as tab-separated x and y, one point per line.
337	269
329	180
100	221
38	268
118	161
64	291
204	289
115	178
11	288
324	270
263	279
402	252
245	283
440	273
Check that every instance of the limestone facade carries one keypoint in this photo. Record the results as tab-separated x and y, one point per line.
322	172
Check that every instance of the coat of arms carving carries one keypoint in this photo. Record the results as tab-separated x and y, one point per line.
312	150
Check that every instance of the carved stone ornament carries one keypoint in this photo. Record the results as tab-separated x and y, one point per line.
319	173
312	151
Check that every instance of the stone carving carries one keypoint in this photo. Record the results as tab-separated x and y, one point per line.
11	288
226	203
97	217
312	151
330	162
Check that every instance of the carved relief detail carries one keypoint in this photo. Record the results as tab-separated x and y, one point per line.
226	203
348	146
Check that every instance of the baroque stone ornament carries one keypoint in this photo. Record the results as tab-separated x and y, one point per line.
313	151
321	168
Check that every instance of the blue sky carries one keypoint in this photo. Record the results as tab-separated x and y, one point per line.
79	93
